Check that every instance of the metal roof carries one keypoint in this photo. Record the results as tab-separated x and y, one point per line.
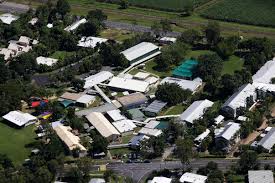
139	50
161	180
266	73
19	118
156	106
193	178
229	131
97	78
90	42
84	99
124	125
75	25
268	140
260	176
8	18
132	99
129	84
150	132
46	61
184	84
116	115
195	110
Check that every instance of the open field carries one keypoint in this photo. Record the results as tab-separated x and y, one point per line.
255	12
232	64
13	141
118	35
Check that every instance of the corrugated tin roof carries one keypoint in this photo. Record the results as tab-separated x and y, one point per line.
84	99
269	140
97	78
260	176
129	84
139	50
102	125
195	110
115	115
156	106
75	25
193	178
150	132
90	42
19	118
134	98
184	84
229	131
124	125
266	73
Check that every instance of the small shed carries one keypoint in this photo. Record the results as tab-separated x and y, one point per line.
154	108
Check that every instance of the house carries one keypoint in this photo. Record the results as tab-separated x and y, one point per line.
91	42
8	54
268	141
167	40
160	180
193	178
103	126
136	114
227	136
20	119
70	140
141	76
141	52
150	132
152	124
154	108
195	111
46	61
125	127
192	85
85	100
133	100
75	25
260	176
236	105
136	140
115	115
8	18
97	180
97	79
219	119
202	136
133	85
265	73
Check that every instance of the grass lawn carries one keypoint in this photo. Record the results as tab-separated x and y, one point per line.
127	138
233	64
150	67
178	109
115	34
13	141
120	151
195	54
61	54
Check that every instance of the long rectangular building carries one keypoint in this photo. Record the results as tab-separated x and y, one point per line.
129	84
141	52
102	125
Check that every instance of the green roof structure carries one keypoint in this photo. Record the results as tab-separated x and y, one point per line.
185	70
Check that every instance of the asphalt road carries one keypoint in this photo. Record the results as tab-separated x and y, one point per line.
137	171
9	7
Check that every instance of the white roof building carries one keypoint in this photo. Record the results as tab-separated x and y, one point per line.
193	178
33	21
19	118
184	84
8	18
115	115
264	87
168	39
195	110
124	126
86	99
102	125
49	25
151	80
7	53
266	73
239	99
141	75
137	52
129	84
91	42
229	131
152	124
268	141
75	25
72	141
150	132
219	119
46	61
161	180
97	78
260	176
202	136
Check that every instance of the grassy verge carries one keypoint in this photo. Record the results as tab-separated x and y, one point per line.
13	141
233	64
175	110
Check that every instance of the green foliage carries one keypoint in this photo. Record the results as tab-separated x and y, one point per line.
243	12
63	7
78	84
212	33
123	4
190	36
184	150
172	93
248	161
227	47
152	148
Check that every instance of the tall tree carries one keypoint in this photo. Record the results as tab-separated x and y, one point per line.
184	150
248	161
63	7
190	36
212	33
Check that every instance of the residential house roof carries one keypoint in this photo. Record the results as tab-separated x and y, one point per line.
134	98
229	131
8	18
152	124
97	78
202	136
116	115
141	75
46	61
161	180
150	132
195	110
268	140
219	119
155	107
124	125
90	42
193	178
191	85
71	96
85	99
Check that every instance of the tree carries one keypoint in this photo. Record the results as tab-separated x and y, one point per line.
209	67
124	4
99	144
4	72
63	7
273	80
248	161
43	175
165	26
78	84
184	150
172	93
190	36
91	28
212	33
156	28
97	14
